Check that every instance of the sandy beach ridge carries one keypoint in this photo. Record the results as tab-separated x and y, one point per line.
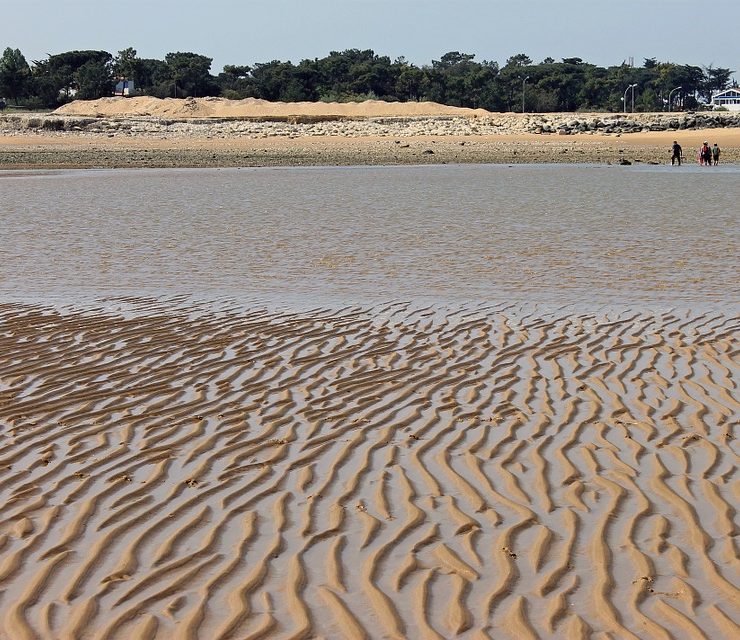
141	132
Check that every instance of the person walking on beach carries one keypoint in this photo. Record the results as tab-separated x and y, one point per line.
715	154
677	151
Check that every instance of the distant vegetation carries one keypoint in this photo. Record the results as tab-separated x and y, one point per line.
455	79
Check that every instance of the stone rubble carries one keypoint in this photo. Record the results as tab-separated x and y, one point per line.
352	127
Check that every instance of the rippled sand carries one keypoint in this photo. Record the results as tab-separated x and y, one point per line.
173	469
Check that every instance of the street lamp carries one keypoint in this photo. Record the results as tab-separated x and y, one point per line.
670	93
523	83
624	99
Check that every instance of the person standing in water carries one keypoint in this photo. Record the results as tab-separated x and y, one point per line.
677	151
715	154
705	155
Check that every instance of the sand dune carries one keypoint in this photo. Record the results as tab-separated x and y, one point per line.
174	471
254	107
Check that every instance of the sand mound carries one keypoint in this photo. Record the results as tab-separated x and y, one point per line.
253	108
383	472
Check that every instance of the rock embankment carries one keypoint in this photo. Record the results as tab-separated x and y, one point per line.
568	124
297	126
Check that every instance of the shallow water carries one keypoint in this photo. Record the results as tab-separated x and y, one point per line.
545	232
207	432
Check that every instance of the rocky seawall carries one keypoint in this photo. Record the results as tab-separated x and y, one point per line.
407	126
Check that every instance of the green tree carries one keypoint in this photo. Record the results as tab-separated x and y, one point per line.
94	79
275	80
715	79
453	59
479	83
152	77
235	82
595	90
308	78
56	78
372	77
518	60
455	79
616	80
45	87
345	74
408	80
15	75
125	65
648	101
190	74
458	80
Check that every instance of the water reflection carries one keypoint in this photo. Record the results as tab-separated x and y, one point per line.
567	232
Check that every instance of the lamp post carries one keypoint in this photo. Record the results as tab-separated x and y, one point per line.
624	99
670	93
524	82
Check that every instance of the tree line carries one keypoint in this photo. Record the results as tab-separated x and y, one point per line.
456	79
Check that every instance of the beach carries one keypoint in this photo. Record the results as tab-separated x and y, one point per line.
147	132
478	401
384	472
51	152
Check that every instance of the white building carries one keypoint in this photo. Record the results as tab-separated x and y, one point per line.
124	87
729	99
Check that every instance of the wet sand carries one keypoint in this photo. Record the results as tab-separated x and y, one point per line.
308	460
50	151
171	469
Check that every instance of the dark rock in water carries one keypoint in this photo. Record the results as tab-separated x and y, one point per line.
624	162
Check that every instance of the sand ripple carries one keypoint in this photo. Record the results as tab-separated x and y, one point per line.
387	472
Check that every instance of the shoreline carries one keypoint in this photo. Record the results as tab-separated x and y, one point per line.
161	134
74	150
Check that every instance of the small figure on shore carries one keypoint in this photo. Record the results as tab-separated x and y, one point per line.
715	154
677	152
2	104
705	155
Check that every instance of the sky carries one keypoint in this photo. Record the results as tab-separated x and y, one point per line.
242	32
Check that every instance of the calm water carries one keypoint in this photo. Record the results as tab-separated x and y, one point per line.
555	232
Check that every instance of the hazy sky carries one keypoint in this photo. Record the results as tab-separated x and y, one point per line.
603	32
